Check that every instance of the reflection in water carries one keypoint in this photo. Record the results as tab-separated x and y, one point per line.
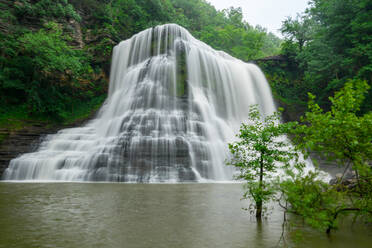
259	232
143	215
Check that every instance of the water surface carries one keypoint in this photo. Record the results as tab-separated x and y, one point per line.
145	215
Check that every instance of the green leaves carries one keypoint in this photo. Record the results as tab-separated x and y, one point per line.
327	45
261	150
41	71
50	51
298	30
339	133
312	199
47	9
342	135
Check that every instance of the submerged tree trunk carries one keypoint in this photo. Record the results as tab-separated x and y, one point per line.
259	202
259	209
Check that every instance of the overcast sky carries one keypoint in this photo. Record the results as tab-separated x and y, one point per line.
267	13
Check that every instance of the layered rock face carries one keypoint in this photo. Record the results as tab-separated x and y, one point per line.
16	140
17	143
173	105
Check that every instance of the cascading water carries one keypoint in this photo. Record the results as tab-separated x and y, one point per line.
173	105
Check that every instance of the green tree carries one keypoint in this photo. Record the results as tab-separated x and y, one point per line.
260	151
271	44
297	30
339	134
346	137
317	202
46	9
329	44
45	71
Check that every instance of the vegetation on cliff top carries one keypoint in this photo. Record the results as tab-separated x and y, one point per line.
55	55
323	48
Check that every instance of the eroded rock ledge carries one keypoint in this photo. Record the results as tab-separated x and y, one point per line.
27	139
21	141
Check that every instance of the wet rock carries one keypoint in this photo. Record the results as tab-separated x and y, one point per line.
27	139
19	142
345	181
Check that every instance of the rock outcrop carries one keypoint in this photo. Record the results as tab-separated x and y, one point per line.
14	142
21	141
27	139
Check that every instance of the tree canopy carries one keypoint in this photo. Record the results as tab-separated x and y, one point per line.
345	137
56	54
262	150
324	47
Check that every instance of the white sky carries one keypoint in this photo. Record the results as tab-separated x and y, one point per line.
267	13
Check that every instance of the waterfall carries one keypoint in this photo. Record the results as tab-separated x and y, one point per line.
172	106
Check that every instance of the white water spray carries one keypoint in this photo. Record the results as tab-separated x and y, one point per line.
173	105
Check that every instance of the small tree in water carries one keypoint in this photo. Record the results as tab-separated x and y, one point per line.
259	152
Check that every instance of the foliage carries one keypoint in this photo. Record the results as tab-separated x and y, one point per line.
330	44
283	78
297	30
341	135
317	202
224	30
271	44
46	9
260	152
238	38
44	72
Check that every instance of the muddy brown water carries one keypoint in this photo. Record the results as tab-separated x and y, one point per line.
148	215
